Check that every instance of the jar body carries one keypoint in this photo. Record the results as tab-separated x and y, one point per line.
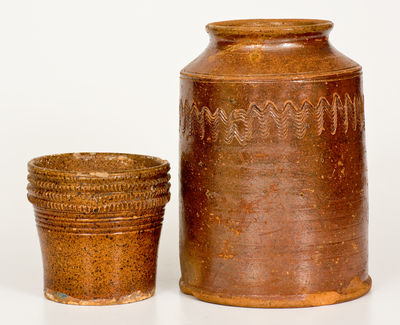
274	208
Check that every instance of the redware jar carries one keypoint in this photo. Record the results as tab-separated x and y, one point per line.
274	209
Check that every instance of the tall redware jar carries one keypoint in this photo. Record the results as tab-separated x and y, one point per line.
273	205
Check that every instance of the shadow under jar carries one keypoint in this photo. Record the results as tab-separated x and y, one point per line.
99	218
273	199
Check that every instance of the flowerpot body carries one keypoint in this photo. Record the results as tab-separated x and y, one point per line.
273	199
99	219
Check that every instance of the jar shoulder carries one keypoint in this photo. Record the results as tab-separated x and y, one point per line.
266	61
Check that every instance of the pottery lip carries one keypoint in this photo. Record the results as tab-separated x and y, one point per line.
105	166
272	28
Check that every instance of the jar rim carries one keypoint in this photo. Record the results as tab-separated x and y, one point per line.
269	27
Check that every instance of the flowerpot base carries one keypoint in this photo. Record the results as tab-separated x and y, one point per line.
355	290
65	299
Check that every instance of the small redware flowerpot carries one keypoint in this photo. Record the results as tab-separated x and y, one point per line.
99	218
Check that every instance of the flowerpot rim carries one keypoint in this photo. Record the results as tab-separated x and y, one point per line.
47	165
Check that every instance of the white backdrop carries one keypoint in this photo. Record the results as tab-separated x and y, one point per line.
95	75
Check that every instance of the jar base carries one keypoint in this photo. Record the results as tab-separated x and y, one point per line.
355	290
65	299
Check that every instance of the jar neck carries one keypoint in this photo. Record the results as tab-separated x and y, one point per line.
269	31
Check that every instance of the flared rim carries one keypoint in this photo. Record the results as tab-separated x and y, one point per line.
96	165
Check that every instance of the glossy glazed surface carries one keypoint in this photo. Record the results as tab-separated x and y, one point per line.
99	219
274	208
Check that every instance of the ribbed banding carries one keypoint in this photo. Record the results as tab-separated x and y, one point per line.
98	192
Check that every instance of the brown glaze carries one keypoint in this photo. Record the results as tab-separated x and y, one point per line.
274	208
99	218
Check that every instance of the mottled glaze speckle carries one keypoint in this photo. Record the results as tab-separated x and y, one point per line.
99	218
